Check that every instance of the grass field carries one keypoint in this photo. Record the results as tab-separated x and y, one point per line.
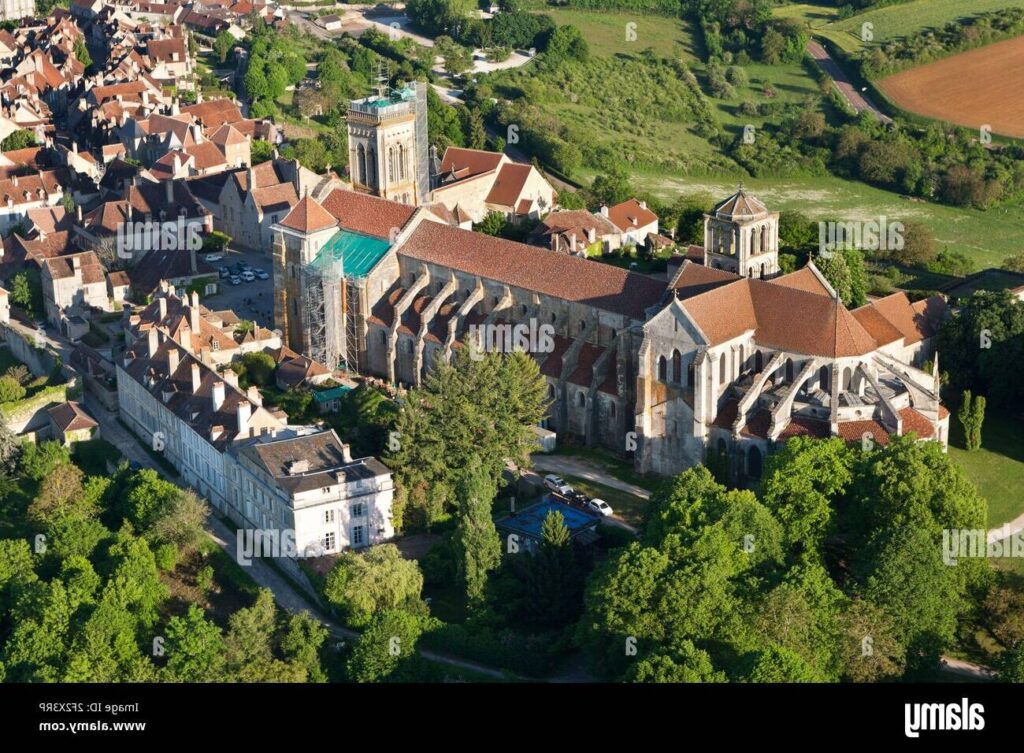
699	167
606	33
997	469
893	21
988	237
974	88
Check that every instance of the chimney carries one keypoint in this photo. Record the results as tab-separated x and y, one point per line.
78	212
244	412
176	162
193	313
163	307
254	396
604	211
170	191
196	378
346	453
152	342
76	262
643	205
172	361
230	377
218	394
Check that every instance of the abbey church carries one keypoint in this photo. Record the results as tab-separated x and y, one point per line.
727	355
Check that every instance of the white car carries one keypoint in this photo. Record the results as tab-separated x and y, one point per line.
600	507
248	276
214	257
235	280
556	484
261	274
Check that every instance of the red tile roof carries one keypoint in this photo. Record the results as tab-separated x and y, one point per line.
629	214
366	214
582	281
308	217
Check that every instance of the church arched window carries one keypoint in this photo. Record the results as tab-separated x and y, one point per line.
823	379
401	161
764	239
677	366
361	164
721	369
663	369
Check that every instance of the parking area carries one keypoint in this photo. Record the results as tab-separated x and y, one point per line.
252	299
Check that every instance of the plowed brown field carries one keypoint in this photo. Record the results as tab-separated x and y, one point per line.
975	88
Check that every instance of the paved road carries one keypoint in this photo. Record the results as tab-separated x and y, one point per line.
850	93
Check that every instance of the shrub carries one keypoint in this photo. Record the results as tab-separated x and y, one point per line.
166	557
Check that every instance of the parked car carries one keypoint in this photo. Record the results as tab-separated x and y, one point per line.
261	274
578	499
213	257
556	484
600	507
235	280
248	276
224	272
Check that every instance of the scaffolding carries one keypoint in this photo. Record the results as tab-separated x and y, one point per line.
422	146
323	316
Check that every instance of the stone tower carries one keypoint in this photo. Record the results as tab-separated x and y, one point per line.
387	144
742	236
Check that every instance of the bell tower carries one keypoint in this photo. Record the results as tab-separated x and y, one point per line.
387	141
741	236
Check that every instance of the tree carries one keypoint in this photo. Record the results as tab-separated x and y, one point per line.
682	663
611	188
27	291
477	545
134	583
362	584
10	449
249	645
194	647
918	245
800	482
261	151
180	522
259	367
20	139
39	459
870	650
10	389
1014	263
81	52
554	581
481	405
837	272
983	347
147	498
972	416
571	200
492	224
567	43
301	643
915	589
60	495
1011	664
776	664
223	43
387	644
858	277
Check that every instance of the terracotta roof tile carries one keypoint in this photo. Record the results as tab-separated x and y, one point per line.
582	281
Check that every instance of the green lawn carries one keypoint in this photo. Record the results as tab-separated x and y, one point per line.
905	18
628	507
606	33
997	469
